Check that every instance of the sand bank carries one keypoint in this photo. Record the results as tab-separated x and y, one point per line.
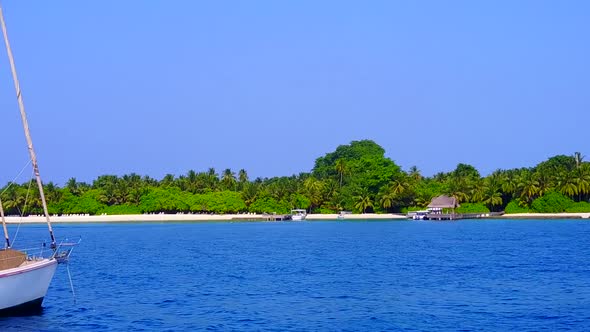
253	217
365	216
187	217
546	216
124	218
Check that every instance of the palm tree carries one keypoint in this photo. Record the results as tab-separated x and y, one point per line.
386	200
242	176
52	192
583	180
191	181
415	174
211	172
528	186
566	183
149	181
459	188
422	201
363	202
72	186
212	179
509	182
31	200
167	181
228	179
341	168
275	190
13	198
313	189
109	194
440	177
181	183
579	159
477	191
491	194
104	181
397	187
329	189
133	196
546	182
250	193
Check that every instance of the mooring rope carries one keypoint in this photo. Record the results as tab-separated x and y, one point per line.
71	283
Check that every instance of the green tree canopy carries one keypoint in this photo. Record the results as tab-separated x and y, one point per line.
326	166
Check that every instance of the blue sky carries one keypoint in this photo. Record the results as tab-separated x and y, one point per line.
156	87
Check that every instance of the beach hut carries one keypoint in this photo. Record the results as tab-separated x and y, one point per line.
443	202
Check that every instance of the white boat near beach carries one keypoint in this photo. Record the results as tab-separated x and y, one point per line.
419	215
298	214
342	215
25	275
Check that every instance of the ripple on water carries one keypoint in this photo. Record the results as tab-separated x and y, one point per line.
328	276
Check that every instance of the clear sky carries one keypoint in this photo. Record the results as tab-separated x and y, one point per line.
157	87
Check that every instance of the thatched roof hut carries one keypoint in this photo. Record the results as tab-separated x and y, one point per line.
443	202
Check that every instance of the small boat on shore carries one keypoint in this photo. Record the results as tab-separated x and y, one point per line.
298	214
419	215
342	214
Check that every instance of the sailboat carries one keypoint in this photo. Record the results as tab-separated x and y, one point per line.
25	276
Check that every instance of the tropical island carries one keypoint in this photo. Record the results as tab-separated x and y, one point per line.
355	177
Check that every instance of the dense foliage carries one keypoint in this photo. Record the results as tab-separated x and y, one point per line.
356	177
472	208
552	202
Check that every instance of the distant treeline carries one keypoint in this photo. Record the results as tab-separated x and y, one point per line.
355	177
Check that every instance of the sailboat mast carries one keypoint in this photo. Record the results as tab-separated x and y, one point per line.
23	115
6	238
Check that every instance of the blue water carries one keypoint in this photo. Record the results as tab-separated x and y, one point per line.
494	275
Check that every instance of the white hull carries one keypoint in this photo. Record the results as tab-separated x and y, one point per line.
297	218
25	284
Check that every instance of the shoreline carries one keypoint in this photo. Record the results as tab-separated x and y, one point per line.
189	217
562	215
254	217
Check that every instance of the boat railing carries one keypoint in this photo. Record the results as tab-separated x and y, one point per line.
43	250
29	253
64	250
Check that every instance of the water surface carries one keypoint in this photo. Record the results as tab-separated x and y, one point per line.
492	275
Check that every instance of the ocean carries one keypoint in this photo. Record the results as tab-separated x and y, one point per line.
469	275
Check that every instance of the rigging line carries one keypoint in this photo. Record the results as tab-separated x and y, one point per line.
18	176
70	274
71	283
22	213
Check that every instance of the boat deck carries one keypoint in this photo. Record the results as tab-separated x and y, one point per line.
10	259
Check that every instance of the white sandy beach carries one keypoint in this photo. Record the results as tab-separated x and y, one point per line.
242	217
185	217
546	216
